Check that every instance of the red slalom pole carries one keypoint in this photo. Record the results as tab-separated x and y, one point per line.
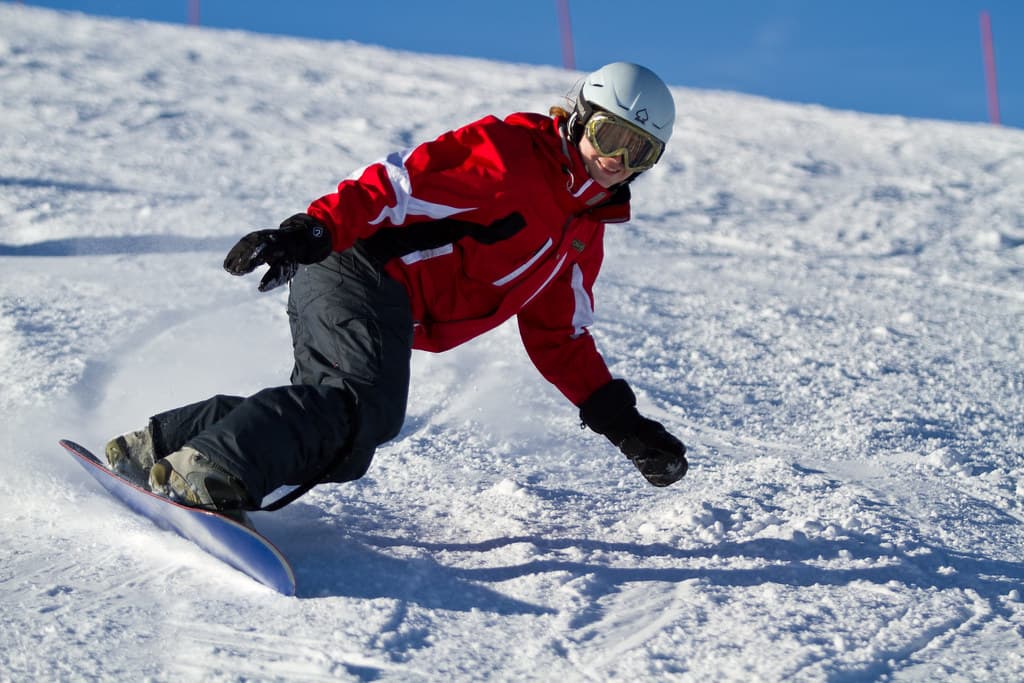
565	28
193	12
990	68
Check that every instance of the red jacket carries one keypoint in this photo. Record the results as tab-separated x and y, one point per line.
543	273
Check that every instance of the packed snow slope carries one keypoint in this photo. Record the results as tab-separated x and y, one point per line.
825	306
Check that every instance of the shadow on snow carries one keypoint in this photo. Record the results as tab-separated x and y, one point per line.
347	562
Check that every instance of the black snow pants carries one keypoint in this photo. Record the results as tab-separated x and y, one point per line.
352	337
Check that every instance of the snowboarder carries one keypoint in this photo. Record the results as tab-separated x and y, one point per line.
426	250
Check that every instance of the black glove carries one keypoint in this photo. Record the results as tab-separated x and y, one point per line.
611	411
300	239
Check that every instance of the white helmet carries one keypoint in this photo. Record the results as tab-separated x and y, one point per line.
631	92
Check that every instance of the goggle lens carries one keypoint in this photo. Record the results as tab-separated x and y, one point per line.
612	137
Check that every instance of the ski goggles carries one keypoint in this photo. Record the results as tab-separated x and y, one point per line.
612	137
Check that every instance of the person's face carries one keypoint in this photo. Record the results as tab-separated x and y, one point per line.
606	171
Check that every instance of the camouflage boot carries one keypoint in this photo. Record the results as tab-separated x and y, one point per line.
131	455
191	478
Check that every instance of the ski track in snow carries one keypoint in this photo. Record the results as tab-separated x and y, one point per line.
826	306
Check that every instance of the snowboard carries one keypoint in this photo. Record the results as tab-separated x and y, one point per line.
234	543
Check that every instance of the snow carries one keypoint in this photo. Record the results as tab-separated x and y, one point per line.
826	306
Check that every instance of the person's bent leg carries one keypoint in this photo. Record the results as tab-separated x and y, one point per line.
352	336
279	436
352	328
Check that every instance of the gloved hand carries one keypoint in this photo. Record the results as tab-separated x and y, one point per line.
300	239
611	411
659	456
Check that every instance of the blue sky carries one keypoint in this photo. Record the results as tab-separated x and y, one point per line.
919	58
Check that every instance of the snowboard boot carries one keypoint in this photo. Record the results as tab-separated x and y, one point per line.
191	478
131	455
